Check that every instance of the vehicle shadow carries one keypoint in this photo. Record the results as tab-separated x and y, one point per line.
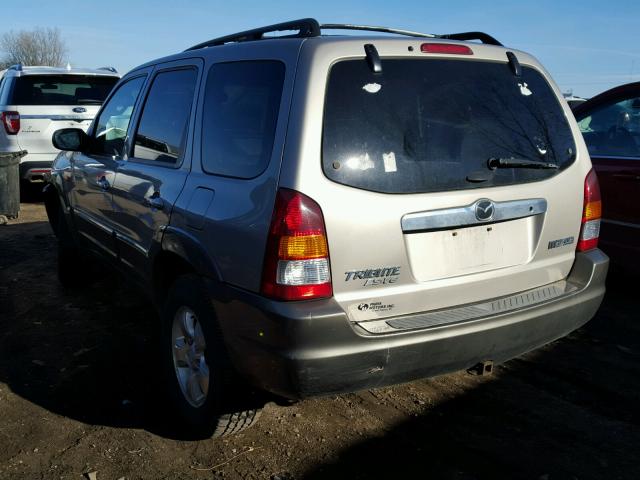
89	354
568	411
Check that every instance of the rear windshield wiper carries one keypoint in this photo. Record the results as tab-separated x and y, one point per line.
89	101
494	163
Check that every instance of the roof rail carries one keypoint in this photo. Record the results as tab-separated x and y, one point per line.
465	36
369	28
109	69
17	67
307	27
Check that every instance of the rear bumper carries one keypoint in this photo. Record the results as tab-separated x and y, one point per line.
34	166
303	349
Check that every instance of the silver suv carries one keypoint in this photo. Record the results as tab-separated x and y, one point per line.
37	101
321	214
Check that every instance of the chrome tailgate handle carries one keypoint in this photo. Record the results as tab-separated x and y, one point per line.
477	213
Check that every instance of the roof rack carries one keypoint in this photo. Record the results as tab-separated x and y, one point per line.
369	28
465	36
17	67
109	69
309	27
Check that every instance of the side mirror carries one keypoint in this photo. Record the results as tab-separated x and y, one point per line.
70	139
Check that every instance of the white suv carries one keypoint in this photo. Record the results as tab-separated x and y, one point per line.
37	101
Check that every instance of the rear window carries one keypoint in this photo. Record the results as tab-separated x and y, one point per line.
432	125
61	90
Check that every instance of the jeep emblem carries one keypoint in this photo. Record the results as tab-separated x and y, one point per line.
484	210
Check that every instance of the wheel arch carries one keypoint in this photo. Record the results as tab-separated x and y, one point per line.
56	206
180	253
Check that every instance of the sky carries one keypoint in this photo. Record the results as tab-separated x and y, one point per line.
588	46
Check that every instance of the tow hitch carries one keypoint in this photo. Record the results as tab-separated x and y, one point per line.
481	368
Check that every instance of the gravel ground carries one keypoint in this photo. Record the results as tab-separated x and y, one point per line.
77	389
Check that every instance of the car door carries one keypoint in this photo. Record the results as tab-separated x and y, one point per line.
149	181
94	171
611	129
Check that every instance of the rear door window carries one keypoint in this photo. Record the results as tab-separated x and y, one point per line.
165	117
241	105
432	125
61	89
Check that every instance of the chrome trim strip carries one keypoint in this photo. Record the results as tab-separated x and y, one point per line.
88	218
476	311
621	224
132	243
614	157
55	117
110	231
99	244
465	216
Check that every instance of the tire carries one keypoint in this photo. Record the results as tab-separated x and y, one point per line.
227	407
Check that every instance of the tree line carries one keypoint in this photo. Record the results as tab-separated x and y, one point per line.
41	46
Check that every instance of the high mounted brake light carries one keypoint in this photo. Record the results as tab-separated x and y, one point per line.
449	48
296	263
591	214
11	122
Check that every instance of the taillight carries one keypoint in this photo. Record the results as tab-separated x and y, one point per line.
450	48
11	122
591	214
296	262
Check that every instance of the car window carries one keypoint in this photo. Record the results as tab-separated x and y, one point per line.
165	116
5	83
241	105
113	122
61	89
613	129
432	125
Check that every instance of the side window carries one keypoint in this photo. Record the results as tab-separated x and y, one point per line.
614	129
112	125
165	117
241	105
4	85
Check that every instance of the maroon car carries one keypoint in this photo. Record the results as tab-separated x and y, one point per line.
610	124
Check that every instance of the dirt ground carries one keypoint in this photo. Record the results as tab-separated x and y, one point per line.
77	396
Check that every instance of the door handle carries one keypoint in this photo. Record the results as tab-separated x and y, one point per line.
103	183
155	201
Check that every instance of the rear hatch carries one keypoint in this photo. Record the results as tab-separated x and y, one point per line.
47	103
425	198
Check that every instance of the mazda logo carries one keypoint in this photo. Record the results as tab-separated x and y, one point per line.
484	210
